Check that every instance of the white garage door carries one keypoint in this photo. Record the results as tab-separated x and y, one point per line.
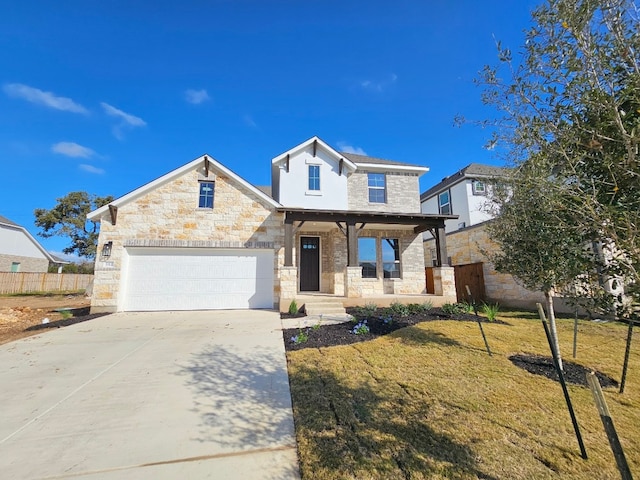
196	279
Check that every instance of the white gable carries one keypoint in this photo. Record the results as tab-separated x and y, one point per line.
290	177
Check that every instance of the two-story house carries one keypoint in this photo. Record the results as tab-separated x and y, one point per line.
201	237
20	252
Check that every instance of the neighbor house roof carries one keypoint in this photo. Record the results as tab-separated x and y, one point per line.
138	192
13	225
473	170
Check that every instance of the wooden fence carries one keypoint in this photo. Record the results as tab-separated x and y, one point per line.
20	282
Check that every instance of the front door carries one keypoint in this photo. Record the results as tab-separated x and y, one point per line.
309	264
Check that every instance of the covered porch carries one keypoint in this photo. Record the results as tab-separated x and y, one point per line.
361	257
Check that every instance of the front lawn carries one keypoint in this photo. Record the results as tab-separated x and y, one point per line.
427	401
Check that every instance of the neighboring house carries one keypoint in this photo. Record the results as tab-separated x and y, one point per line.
20	252
464	194
201	237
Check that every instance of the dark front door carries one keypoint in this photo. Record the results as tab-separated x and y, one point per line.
309	264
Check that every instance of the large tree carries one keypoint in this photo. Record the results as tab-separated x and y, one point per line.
572	98
69	219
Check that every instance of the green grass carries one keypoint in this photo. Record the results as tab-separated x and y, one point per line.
428	402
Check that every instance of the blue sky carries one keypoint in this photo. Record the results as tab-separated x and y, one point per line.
105	96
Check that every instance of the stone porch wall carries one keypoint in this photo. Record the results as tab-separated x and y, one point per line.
170	212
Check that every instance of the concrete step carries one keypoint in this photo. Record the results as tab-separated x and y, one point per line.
324	308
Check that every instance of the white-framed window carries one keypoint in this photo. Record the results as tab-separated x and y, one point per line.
391	257
314	178
368	257
444	203
478	187
377	187
206	194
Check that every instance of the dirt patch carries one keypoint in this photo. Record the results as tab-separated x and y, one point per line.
22	316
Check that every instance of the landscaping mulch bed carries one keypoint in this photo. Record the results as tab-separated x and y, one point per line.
573	373
382	322
80	315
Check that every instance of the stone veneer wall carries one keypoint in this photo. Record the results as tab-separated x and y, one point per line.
27	264
403	193
465	246
170	213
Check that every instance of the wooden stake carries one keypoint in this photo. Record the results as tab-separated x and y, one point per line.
626	355
609	428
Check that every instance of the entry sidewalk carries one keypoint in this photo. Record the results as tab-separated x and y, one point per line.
167	395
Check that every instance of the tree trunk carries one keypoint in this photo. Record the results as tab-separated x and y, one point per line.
552	323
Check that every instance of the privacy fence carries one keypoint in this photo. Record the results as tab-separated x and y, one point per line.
18	282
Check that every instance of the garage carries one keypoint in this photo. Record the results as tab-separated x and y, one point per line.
157	279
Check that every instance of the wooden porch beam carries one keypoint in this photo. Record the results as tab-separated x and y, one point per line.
441	248
288	242
352	245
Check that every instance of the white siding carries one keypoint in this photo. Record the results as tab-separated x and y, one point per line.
13	241
291	188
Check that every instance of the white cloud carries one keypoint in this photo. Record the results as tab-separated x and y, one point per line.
196	97
346	148
378	86
127	120
72	149
91	169
40	97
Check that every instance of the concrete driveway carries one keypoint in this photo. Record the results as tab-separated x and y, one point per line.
170	395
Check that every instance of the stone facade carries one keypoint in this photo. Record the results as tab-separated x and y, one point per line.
403	193
169	215
27	264
466	246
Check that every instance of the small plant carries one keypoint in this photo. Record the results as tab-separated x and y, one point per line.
454	308
66	314
467	306
316	327
490	310
399	309
369	309
426	306
387	320
301	337
413	308
293	307
361	328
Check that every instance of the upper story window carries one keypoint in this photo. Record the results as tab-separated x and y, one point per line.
314	177
478	187
444	203
367	257
15	267
206	194
377	188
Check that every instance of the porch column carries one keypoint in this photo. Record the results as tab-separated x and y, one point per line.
441	247
352	244
288	242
